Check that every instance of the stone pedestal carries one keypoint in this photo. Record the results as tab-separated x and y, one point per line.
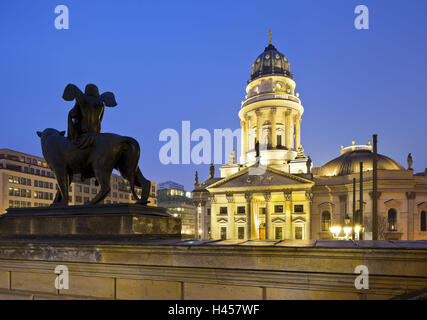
100	222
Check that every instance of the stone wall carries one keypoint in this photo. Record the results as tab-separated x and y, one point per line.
211	270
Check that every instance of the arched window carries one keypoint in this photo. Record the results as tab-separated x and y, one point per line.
326	220
392	220
423	221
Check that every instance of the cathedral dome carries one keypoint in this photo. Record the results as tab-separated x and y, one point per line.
271	62
349	162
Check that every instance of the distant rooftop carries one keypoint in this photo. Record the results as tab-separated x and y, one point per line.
171	185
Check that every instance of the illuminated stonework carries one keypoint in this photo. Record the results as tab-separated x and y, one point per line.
271	115
275	194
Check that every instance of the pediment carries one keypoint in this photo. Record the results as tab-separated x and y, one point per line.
422	206
327	206
392	203
258	178
278	220
222	220
240	220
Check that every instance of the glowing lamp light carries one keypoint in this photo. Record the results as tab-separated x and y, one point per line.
347	230
336	230
357	229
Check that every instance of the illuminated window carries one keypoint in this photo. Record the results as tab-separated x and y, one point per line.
299	233
278	233
299	208
241	233
392	220
278	208
326	220
279	140
241	210
262	210
223	233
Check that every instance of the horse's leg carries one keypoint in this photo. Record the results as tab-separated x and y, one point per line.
58	197
103	178
143	183
63	184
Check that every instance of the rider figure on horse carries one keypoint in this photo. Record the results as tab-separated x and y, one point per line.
84	119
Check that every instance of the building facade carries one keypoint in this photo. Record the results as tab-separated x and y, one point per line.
274	193
27	181
180	204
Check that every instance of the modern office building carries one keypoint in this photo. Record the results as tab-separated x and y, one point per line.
180	204
171	185
26	181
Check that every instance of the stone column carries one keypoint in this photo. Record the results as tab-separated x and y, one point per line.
308	233
298	133
196	219
230	214
273	128
268	227
288	137
288	213
202	223
244	138
214	225
248	197
410	215
258	125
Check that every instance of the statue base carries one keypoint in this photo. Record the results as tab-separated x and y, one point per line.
99	222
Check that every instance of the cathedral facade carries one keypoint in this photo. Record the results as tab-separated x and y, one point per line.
274	193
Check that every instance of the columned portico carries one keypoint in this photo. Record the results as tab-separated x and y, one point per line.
269	204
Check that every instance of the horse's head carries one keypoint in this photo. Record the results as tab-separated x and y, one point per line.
50	132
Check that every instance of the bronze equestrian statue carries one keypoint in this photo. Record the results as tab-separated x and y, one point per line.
87	151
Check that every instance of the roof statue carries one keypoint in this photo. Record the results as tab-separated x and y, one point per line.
410	162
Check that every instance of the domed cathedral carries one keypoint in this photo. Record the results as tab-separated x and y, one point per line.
275	194
339	199
267	195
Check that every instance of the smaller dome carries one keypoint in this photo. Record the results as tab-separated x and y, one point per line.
271	62
349	162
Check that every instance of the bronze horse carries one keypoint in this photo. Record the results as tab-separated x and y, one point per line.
109	151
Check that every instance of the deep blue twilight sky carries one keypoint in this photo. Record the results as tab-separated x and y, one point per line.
168	61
